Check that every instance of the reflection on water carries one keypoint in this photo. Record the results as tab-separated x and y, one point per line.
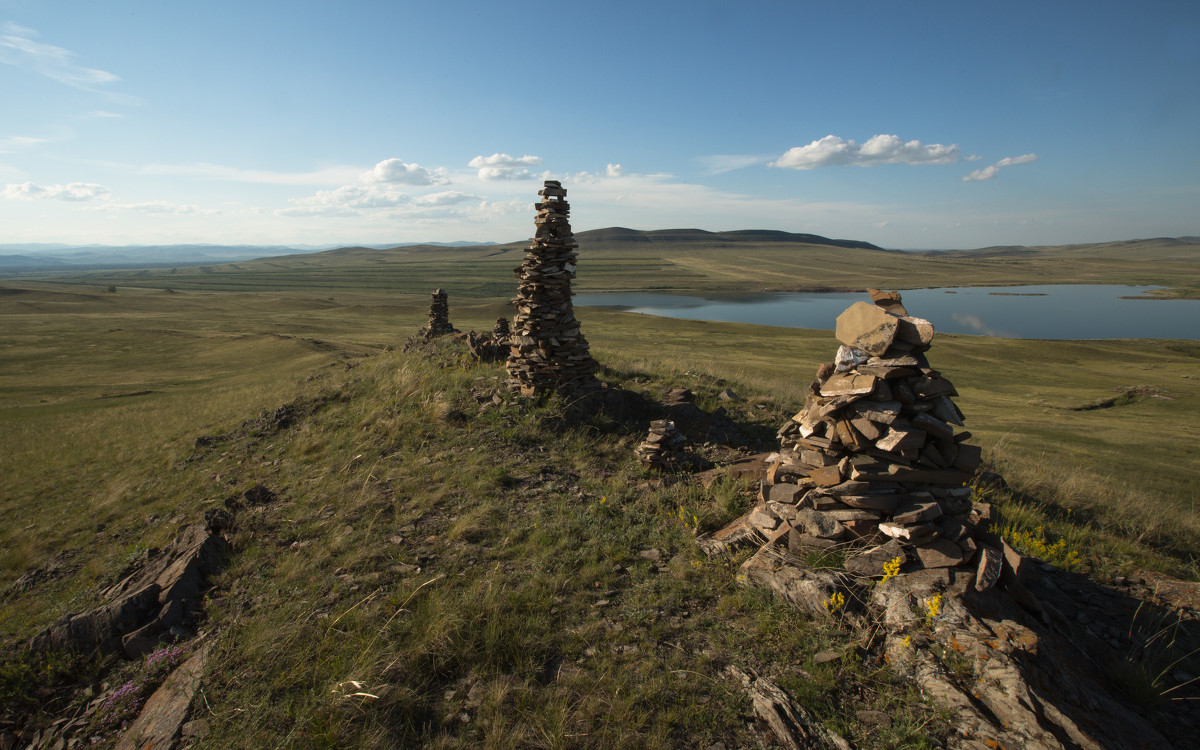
1041	312
975	324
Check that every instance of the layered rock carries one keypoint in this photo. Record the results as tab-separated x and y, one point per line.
143	608
547	351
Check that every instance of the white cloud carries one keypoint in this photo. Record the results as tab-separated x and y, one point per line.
879	149
99	113
504	160
979	175
17	47
398	172
614	170
492	174
1009	161
504	167
72	191
989	172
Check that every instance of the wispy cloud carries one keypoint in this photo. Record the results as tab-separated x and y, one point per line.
833	151
989	172
99	113
72	191
721	163
445	198
203	170
504	167
157	207
19	48
17	142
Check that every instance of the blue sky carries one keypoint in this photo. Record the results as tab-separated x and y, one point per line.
910	125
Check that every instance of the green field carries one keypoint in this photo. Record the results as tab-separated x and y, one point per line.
103	395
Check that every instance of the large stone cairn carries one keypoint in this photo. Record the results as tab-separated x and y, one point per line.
439	316
546	349
873	459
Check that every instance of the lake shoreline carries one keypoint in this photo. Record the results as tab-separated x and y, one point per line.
1053	312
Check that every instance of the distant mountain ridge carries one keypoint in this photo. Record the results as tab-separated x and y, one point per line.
32	258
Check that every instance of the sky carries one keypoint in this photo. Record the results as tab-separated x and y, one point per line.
911	125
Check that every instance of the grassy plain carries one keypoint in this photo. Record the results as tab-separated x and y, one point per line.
626	260
551	628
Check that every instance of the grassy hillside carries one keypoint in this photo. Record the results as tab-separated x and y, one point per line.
497	575
684	261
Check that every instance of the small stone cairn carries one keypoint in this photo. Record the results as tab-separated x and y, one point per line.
873	458
546	349
491	347
663	447
439	316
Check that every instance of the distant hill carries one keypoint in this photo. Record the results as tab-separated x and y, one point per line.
28	262
44	256
1160	248
623	238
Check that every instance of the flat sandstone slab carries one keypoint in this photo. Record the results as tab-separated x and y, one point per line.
867	327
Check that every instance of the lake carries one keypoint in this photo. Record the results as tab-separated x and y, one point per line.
1076	311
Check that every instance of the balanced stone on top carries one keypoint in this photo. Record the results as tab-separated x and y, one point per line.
547	351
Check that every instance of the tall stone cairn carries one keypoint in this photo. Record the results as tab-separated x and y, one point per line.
439	316
874	458
547	351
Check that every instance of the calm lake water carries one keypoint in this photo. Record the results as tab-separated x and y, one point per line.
1027	312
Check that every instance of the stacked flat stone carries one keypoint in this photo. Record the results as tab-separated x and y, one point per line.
874	459
663	447
439	316
546	349
501	331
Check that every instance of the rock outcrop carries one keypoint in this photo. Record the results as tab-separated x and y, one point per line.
144	607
